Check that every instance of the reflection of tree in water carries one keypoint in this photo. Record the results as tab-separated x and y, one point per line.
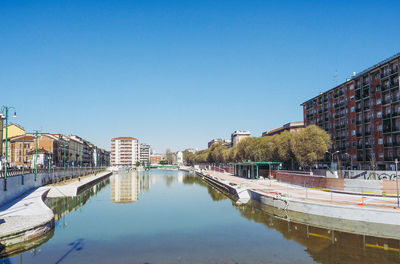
192	179
216	195
64	205
19	248
323	245
169	179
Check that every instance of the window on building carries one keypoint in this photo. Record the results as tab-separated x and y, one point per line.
380	128
379	114
380	141
378	88
353	132
378	101
353	109
352	98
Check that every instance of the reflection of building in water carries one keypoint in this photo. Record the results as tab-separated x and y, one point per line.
181	175
326	245
124	188
144	182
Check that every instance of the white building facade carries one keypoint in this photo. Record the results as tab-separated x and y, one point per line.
239	135
144	153
124	151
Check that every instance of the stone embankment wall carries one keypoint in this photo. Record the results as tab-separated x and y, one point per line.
16	188
347	185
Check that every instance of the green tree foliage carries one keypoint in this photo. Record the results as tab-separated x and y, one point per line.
169	156
310	145
303	148
188	157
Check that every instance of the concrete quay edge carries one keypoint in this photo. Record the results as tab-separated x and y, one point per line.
382	216
74	188
27	219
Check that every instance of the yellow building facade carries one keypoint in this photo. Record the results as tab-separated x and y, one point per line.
13	131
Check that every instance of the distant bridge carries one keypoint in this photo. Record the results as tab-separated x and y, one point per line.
161	166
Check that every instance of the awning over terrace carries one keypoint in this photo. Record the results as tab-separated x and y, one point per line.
255	170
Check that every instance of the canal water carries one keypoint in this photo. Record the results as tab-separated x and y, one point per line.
166	216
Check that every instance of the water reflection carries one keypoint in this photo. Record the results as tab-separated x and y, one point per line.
326	245
125	187
22	247
64	205
214	193
199	224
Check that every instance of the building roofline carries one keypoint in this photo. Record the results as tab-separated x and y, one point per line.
118	138
379	64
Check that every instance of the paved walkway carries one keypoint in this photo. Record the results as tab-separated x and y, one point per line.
71	188
309	194
28	217
19	219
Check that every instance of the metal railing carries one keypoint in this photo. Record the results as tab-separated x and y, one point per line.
26	171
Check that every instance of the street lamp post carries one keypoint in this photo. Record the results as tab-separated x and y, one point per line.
333	153
49	161
23	159
396	161
351	160
4	110
64	157
336	152
36	154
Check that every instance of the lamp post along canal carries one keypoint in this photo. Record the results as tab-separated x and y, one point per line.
23	159
36	154
49	161
64	157
396	161
4	110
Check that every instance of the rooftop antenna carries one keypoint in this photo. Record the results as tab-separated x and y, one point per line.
336	77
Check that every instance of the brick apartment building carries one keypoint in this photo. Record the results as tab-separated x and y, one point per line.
156	158
362	115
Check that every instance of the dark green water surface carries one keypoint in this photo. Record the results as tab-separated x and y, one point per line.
174	217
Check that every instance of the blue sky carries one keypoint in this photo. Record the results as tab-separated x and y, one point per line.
179	73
